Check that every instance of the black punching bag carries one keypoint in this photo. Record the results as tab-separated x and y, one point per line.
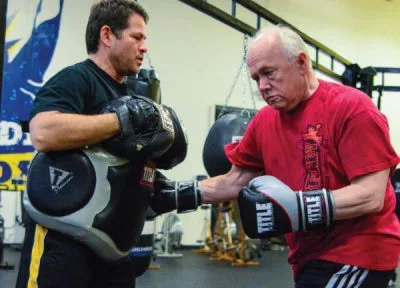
226	129
146	83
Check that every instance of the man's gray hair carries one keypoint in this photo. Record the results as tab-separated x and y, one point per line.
292	43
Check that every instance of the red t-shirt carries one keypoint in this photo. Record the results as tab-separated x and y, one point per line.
333	137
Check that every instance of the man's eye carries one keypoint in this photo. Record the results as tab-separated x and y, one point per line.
256	78
269	74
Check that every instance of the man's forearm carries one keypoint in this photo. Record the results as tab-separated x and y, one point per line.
353	201
54	131
363	196
225	187
216	189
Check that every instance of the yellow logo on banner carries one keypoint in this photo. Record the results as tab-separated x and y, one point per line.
14	171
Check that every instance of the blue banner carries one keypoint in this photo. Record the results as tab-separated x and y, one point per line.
32	31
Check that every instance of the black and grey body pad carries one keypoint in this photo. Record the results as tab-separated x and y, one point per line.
91	195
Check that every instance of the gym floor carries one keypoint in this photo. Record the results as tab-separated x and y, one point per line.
195	271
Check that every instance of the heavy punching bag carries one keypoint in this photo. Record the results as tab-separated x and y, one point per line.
146	83
226	129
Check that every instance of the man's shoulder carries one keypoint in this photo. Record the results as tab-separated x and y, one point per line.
346	100
264	115
81	68
340	94
75	73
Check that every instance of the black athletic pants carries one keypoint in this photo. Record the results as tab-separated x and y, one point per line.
52	260
325	274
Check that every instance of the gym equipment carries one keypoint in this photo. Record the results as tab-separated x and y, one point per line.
146	83
182	196
228	127
222	234
5	265
96	194
226	241
171	236
229	245
206	233
363	79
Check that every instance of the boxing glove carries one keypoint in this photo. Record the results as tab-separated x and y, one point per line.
170	195
270	208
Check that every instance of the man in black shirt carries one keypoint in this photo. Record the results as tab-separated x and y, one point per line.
67	115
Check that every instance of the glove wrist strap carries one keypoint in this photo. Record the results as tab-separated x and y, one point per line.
188	196
316	209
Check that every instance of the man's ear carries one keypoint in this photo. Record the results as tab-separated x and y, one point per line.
302	62
105	35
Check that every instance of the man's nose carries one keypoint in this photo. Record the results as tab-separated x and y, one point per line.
143	48
264	85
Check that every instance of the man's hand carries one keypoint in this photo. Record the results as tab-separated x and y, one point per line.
134	114
147	130
269	208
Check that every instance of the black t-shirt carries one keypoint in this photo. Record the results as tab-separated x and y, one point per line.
78	90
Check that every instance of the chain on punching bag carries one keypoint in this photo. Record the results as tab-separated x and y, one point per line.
229	127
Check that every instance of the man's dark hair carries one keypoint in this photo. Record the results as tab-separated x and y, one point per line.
114	13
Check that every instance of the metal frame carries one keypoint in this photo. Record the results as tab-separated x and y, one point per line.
3	24
383	71
261	12
383	87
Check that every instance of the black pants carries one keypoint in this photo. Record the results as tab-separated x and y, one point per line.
325	274
50	259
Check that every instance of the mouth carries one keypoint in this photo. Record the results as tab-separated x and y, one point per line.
139	60
271	99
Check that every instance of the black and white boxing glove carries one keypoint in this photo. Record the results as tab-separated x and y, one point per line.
270	208
147	130
184	196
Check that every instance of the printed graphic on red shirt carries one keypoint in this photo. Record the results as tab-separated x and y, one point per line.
312	155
